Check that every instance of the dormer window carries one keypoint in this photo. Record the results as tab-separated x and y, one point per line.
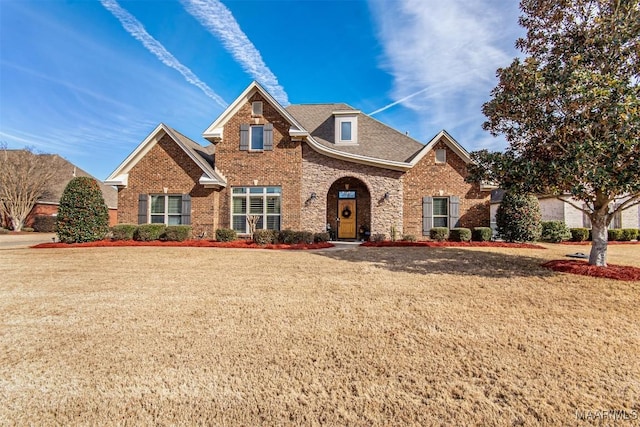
256	108
346	125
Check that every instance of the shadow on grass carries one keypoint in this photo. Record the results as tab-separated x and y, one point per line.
424	260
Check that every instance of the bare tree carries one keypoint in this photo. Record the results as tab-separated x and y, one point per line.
24	179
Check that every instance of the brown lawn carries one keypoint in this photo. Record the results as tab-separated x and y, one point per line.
368	336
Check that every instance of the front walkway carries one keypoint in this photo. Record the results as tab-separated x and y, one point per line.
24	240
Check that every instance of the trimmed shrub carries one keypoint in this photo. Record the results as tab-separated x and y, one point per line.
614	234
305	237
176	233
265	237
149	232
629	234
44	223
4	231
579	234
481	234
83	215
378	237
226	235
518	218
554	231
287	236
27	229
123	231
460	235
321	237
439	234
409	238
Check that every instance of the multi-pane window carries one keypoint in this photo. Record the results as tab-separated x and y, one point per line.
261	202
166	209
440	211
257	137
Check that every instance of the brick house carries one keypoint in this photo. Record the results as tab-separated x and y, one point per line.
48	204
304	167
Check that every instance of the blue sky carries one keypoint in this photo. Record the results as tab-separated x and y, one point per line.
90	79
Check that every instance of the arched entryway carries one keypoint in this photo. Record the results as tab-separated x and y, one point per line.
349	209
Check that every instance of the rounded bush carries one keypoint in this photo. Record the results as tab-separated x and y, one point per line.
226	235
265	237
460	235
149	232
123	231
579	234
629	234
321	237
555	232
409	238
482	234
82	215
4	231
518	218
176	233
614	234
287	236
378	237
439	234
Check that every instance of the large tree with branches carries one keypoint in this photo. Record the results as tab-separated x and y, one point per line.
570	110
25	177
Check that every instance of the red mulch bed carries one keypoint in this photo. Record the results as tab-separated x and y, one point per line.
242	244
430	244
616	272
588	243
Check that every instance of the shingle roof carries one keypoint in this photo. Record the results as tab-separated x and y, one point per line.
375	139
65	172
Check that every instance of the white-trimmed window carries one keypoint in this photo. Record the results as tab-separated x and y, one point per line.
441	156
346	127
256	108
441	212
165	209
257	137
264	202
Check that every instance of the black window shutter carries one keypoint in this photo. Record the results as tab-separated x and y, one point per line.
268	137
143	203
244	137
454	211
185	218
427	215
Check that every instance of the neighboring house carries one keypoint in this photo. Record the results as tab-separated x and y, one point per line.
555	209
48	204
304	167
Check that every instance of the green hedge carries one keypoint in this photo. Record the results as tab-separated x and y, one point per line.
409	238
439	234
629	234
265	237
149	232
123	231
460	235
176	233
321	237
482	234
226	235
554	231
614	234
579	234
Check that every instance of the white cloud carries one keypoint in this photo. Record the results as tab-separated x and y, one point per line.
219	21
452	49
136	29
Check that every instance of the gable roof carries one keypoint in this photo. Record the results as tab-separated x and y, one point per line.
201	156
215	130
64	172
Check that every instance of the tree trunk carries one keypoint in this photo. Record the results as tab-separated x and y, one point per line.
16	224
599	236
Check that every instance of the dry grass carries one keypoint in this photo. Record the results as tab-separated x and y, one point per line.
372	336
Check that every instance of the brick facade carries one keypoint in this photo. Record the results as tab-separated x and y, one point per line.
442	180
167	166
281	167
